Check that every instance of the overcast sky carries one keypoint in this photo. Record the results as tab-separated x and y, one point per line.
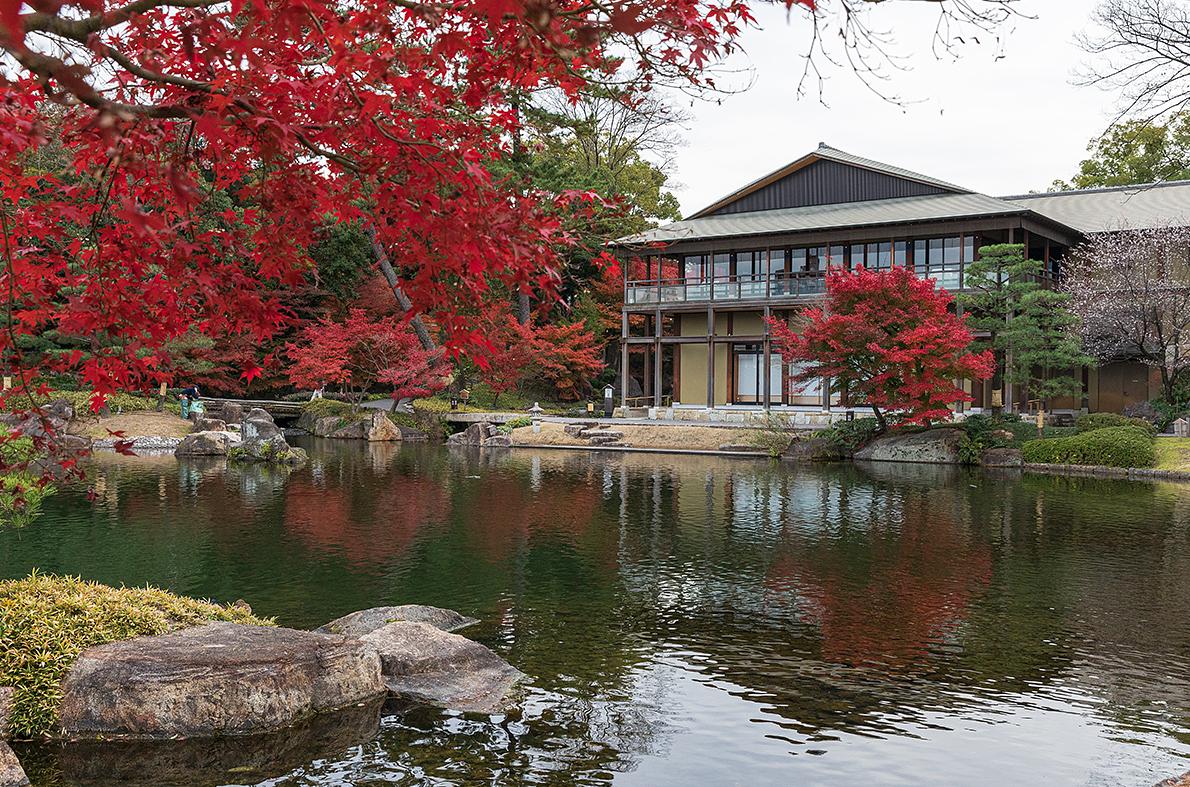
999	126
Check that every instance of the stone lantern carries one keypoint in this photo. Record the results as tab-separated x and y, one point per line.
1181	428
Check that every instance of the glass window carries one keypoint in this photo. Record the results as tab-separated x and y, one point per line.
857	256
797	260
952	252
901	253
694	267
835	257
920	263
813	259
777	258
722	265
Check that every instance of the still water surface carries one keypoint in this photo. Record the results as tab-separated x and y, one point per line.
685	620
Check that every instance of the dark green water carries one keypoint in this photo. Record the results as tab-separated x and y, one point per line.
686	621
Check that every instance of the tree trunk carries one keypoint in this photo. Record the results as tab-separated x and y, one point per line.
522	308
880	422
390	275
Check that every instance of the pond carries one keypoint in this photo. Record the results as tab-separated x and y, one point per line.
684	620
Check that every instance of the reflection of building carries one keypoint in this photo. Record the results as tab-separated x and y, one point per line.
697	291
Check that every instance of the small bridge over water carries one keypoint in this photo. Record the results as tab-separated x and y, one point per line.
281	411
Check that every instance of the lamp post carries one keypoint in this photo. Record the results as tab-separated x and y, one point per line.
608	401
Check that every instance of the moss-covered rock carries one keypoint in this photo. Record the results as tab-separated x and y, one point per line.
46	621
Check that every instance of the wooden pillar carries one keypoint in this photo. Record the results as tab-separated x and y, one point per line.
657	359
767	376
710	357
624	359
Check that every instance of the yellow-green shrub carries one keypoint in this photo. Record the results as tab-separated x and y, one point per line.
46	621
1089	422
1118	446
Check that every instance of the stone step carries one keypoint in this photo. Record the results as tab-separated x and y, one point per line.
607	439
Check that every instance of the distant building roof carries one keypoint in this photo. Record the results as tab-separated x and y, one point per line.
1122	207
825	152
901	210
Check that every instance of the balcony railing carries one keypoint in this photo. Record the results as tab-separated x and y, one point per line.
727	288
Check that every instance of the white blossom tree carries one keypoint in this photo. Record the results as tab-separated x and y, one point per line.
1131	292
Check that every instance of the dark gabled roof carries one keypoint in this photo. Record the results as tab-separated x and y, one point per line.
1121	207
900	210
825	152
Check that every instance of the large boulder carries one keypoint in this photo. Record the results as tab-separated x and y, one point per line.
260	414
256	427
272	449
372	426
11	773
1001	457
232	413
61	409
481	434
424	664
216	679
933	446
366	621
812	449
209	425
204	444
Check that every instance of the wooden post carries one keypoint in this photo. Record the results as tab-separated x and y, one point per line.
624	359
657	359
766	398
710	357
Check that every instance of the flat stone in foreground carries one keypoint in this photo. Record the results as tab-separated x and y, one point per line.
11	773
366	621
216	679
431	666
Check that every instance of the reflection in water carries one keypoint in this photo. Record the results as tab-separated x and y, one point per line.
690	619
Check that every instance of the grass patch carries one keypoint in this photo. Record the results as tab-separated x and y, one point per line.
1173	453
46	621
1115	446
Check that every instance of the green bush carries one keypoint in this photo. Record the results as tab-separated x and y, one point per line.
46	621
1113	446
515	423
321	408
851	435
1092	421
81	401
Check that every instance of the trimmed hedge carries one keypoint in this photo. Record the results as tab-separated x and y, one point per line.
1092	421
1113	446
46	621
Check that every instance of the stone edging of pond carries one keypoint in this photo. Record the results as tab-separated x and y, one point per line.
1101	471
625	449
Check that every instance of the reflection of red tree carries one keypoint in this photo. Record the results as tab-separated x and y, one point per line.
884	601
375	525
515	512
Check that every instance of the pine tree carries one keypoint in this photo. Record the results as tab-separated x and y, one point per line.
1029	328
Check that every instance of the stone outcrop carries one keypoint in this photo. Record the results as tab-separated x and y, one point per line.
1001	457
209	425
204	444
366	621
372	426
259	425
11	773
271	449
231	412
424	664
932	446
214	680
482	434
812	449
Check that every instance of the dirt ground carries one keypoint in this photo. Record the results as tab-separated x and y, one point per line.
698	438
143	423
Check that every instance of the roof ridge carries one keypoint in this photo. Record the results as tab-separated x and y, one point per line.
1099	189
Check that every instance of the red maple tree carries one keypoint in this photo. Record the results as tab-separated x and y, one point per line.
888	339
564	356
358	353
165	164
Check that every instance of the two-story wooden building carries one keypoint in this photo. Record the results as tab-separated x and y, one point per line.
697	291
